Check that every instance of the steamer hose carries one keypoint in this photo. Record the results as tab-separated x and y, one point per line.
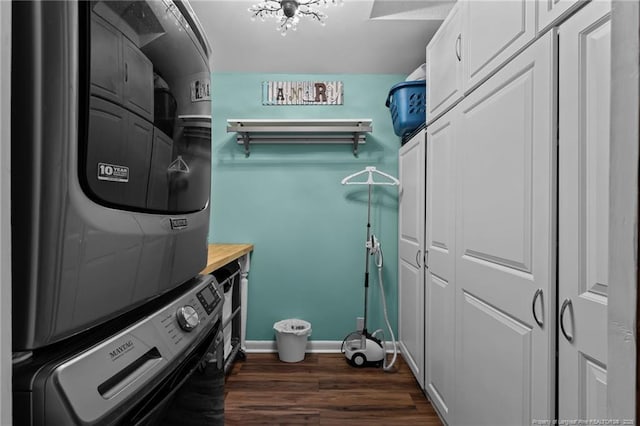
376	251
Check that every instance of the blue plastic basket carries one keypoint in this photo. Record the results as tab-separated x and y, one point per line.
408	104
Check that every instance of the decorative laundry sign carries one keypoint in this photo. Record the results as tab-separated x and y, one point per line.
302	93
200	90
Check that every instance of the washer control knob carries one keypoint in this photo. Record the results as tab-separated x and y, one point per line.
187	318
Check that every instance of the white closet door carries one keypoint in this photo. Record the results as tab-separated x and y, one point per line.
444	65
410	251
551	11
505	245
440	276
138	80
493	31
584	88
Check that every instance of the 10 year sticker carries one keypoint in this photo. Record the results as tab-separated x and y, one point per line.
113	172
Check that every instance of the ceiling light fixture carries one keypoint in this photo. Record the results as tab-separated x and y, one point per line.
288	12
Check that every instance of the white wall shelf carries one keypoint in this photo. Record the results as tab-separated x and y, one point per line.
351	131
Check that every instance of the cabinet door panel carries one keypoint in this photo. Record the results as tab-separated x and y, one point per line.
410	250
161	157
411	220
497	370
118	139
505	244
493	32
107	133
136	154
440	278
551	11
585	40
106	60
444	67
138	81
411	308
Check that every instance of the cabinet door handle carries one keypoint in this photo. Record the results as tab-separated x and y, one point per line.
426	259
565	304
126	72
458	47
418	257
538	294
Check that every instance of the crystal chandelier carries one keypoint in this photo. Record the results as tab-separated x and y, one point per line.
288	12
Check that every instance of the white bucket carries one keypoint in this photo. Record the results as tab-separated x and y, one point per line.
291	338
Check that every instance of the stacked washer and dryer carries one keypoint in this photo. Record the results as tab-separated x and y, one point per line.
111	154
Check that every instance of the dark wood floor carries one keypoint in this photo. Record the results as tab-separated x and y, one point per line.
322	390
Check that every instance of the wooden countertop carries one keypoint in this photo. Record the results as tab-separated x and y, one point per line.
221	254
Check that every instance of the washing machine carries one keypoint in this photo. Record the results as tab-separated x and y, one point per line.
130	376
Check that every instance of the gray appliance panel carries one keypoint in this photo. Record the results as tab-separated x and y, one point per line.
77	264
95	383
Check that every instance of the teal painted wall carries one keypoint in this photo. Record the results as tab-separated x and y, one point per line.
308	230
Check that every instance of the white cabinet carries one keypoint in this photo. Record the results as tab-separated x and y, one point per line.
505	245
410	253
552	11
161	158
475	39
119	138
444	66
106	74
120	72
440	273
138	80
493	32
583	212
517	221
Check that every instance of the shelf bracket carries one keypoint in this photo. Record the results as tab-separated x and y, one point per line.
356	140
245	141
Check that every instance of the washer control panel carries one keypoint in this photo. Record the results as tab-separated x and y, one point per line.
209	298
187	318
99	380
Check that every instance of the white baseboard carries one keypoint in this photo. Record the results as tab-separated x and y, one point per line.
313	346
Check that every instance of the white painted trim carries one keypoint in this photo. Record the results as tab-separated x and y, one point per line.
5	213
245	265
623	213
313	346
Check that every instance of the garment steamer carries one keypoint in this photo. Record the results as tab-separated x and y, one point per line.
360	347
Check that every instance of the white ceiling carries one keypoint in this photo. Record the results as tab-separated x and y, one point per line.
360	36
